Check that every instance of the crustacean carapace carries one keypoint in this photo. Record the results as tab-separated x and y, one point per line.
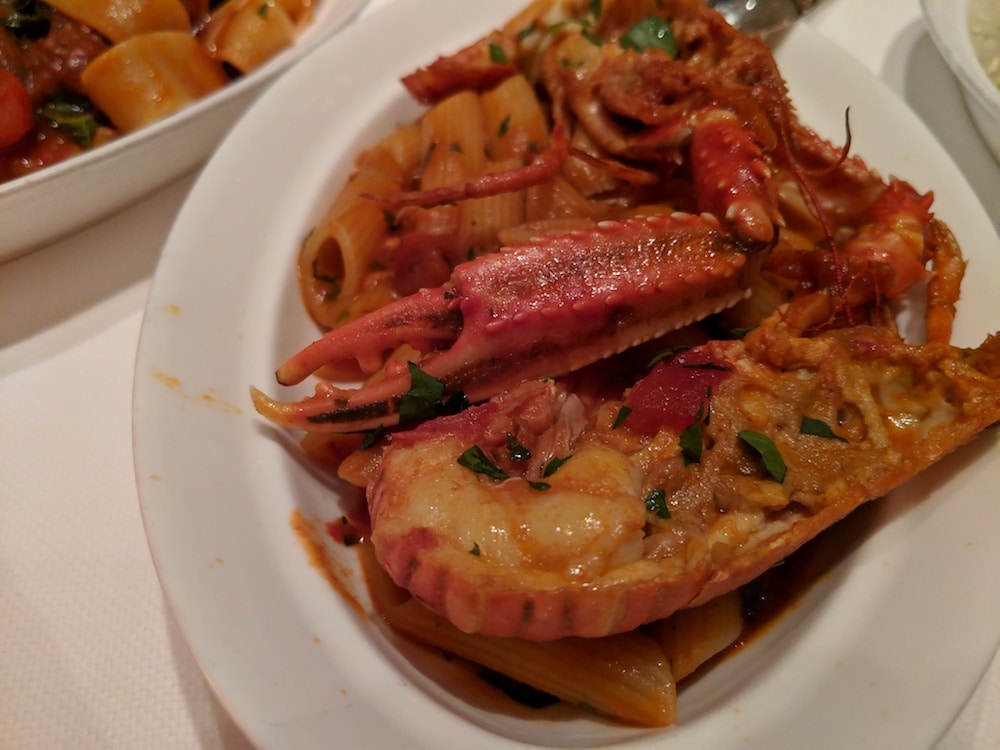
527	312
732	455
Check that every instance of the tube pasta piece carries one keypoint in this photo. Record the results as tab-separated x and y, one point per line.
300	11
150	76
453	143
336	257
483	218
456	126
118	20
403	145
625	676
690	637
248	33
515	120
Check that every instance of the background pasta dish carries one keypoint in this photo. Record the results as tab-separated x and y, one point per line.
74	75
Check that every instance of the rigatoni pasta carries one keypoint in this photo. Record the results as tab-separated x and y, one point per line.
149	76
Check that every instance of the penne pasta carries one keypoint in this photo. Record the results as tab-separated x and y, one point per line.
624	676
514	120
690	637
335	258
482	219
452	139
456	127
404	146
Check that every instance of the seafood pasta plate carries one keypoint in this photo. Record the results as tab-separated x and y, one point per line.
50	203
881	649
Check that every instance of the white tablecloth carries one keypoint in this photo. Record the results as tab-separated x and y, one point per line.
90	656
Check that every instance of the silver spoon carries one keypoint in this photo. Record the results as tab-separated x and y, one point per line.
762	16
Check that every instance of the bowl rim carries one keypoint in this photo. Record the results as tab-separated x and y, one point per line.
947	22
328	20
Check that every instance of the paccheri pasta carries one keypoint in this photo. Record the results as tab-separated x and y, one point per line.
626	338
75	74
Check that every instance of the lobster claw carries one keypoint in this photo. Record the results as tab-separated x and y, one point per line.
531	311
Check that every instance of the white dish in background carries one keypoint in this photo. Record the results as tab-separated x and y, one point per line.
42	207
882	652
948	23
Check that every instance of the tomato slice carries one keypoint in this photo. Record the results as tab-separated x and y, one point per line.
16	113
670	396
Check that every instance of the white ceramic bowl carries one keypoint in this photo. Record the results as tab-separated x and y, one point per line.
947	21
53	202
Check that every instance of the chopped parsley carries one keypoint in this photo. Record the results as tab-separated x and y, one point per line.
819	428
621	416
421	401
527	31
656	502
691	439
518	451
371	438
706	366
74	115
652	32
26	19
475	459
497	55
666	354
770	457
554	465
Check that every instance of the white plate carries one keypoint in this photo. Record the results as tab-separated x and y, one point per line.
53	202
883	651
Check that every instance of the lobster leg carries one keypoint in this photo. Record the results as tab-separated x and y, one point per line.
549	308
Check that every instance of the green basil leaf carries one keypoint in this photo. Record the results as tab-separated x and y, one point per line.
770	457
